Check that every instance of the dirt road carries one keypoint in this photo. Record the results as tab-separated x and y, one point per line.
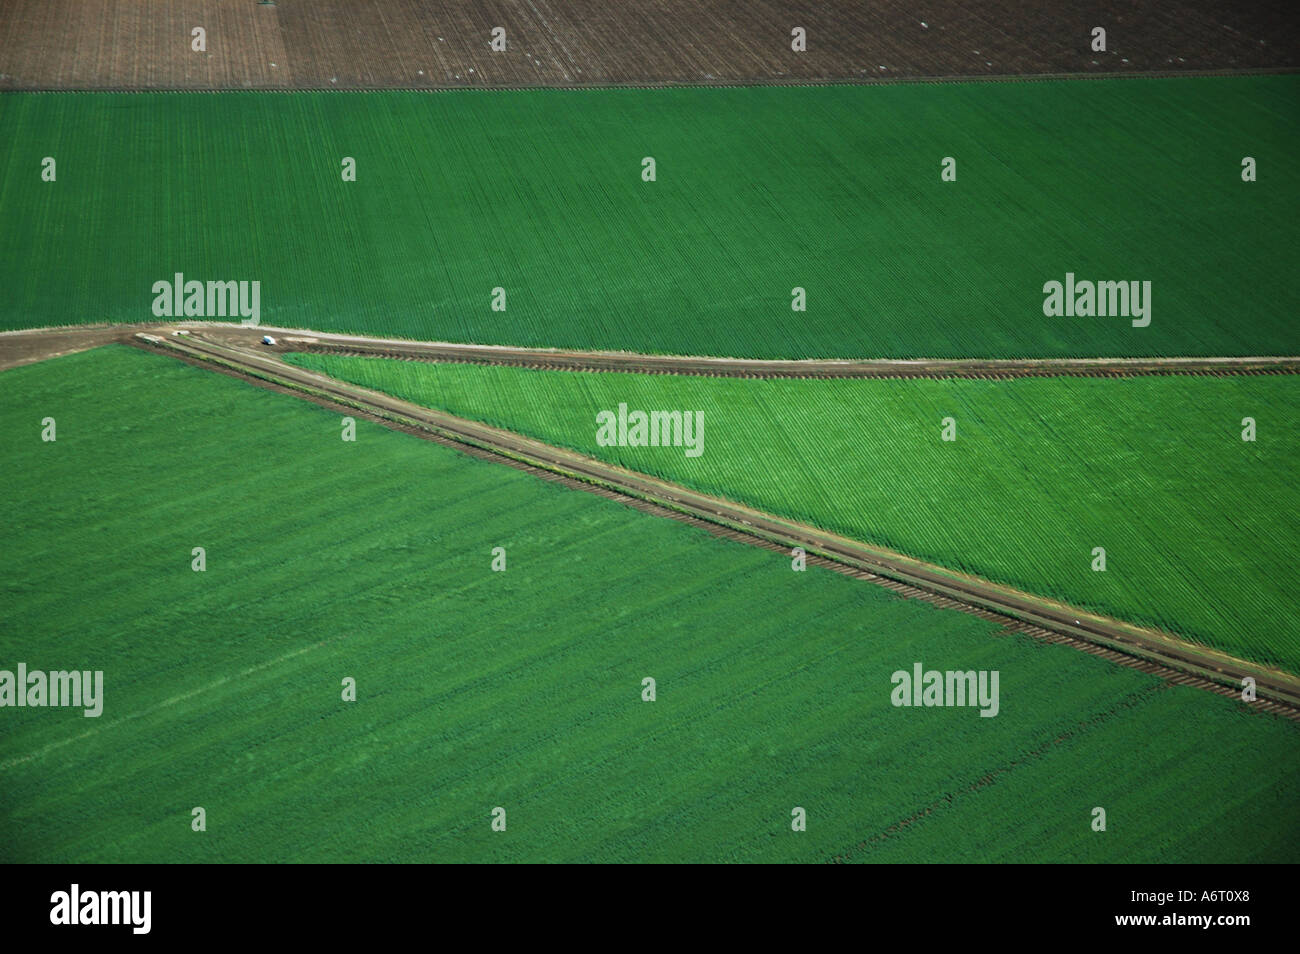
238	350
1192	664
23	347
288	340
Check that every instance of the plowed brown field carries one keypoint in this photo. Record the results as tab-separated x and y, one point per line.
145	44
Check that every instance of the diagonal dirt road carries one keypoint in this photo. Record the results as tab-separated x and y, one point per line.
238	351
1171	656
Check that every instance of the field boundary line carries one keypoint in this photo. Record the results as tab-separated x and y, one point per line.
307	341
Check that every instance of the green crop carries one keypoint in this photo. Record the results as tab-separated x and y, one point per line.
1199	526
758	191
327	559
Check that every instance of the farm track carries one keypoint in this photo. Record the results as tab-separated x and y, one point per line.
718	367
440	44
1151	651
977	369
22	347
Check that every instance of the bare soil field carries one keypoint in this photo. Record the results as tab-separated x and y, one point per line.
372	44
28	347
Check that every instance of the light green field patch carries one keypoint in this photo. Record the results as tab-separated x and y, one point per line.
1199	527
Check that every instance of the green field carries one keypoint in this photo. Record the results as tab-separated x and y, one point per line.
833	189
328	559
1199	526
